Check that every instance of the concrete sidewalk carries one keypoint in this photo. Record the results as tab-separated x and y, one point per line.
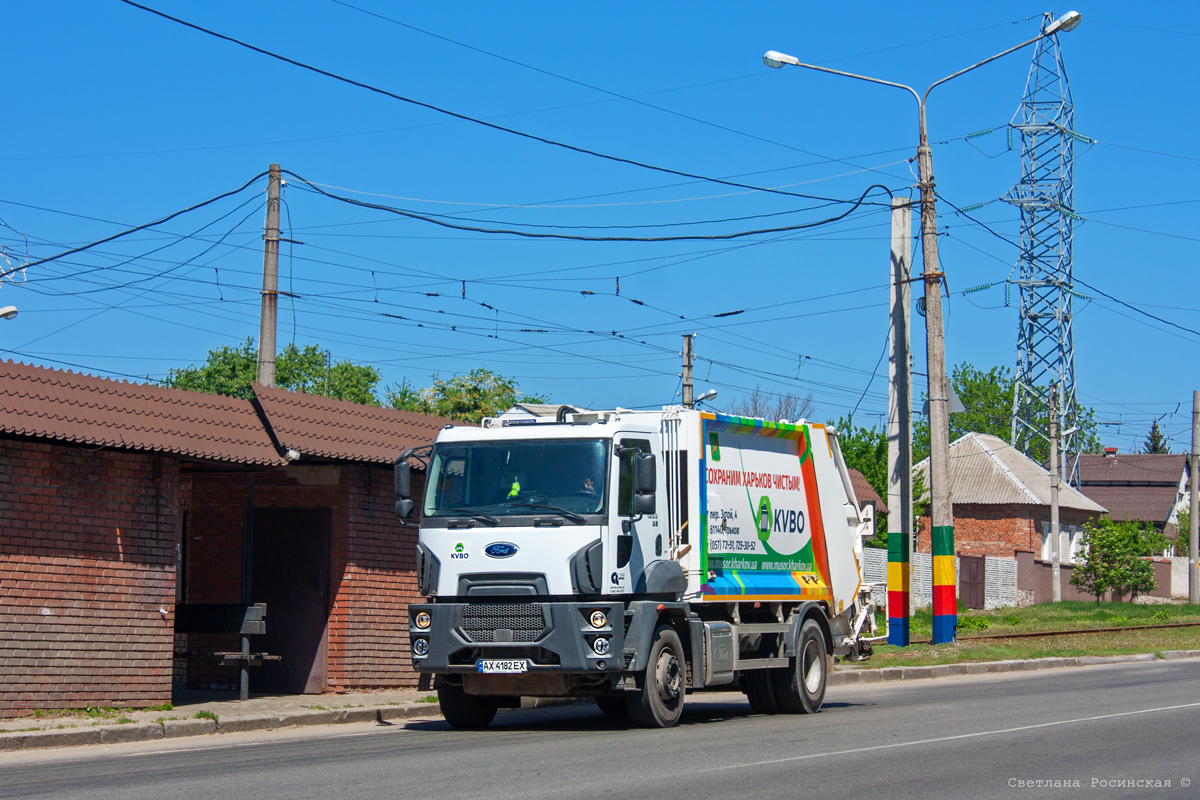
205	713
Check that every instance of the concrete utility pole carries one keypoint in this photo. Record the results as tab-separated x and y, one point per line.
687	370
1055	541
941	519
900	428
1194	521
270	290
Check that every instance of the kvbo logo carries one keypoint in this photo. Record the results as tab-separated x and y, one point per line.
460	551
779	520
788	521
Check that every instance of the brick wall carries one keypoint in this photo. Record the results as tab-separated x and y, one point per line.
999	530
87	559
372	567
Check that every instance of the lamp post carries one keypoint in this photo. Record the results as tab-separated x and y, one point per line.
945	613
8	312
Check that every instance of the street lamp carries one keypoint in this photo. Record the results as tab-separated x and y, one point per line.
945	614
8	312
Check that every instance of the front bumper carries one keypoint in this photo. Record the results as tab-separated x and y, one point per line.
552	637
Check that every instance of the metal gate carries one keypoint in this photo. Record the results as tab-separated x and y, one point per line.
971	580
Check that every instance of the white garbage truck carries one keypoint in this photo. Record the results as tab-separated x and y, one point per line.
633	557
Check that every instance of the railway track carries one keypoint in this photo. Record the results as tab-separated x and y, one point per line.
1068	632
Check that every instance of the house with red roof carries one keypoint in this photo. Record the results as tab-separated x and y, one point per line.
1138	486
133	518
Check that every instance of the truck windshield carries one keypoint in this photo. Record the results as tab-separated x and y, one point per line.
564	477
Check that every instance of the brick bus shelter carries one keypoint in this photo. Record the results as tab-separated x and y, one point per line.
125	509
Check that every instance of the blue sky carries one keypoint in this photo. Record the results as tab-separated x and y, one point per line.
118	118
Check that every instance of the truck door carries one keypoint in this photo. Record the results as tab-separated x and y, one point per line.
627	554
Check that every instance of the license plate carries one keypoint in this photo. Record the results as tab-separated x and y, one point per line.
503	667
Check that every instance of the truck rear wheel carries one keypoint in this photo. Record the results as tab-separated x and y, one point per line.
800	689
658	702
465	711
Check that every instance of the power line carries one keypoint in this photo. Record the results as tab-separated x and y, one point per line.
135	229
465	117
1130	306
593	87
580	238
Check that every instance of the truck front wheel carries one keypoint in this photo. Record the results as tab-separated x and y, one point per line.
800	689
465	711
658	702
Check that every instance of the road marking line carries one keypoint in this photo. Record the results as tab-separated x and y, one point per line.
947	738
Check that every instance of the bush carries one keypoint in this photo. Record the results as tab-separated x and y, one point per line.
1114	558
973	623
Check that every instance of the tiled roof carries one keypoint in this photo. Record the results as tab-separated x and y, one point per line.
337	429
987	470
1145	503
1132	468
66	406
864	492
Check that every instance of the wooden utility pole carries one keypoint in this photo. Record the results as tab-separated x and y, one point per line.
270	290
1055	542
899	430
1194	521
687	370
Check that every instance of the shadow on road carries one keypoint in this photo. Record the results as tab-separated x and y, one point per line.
586	717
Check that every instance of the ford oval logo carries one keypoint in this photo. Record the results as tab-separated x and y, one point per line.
500	550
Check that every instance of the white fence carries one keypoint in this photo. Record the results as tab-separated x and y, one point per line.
999	589
1179	576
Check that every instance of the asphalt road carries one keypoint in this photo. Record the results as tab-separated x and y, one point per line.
966	737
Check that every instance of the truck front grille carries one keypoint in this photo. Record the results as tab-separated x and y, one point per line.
524	620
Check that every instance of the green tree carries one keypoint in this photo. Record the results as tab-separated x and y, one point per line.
1156	443
865	449
471	397
1114	558
232	370
988	398
1183	535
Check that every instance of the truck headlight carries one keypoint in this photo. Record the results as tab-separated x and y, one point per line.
423	620
600	646
599	619
420	647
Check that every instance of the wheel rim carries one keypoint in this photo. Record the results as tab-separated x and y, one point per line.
813	666
667	678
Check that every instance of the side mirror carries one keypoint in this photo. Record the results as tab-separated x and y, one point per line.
645	483
403	478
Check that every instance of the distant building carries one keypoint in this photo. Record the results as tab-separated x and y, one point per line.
1001	503
1138	486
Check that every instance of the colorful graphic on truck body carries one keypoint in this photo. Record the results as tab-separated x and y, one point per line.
763	537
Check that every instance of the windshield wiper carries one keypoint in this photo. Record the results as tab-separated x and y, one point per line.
466	512
571	515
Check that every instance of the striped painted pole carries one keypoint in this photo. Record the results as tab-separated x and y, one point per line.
899	585
945	599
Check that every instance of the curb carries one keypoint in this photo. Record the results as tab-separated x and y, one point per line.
849	677
177	728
